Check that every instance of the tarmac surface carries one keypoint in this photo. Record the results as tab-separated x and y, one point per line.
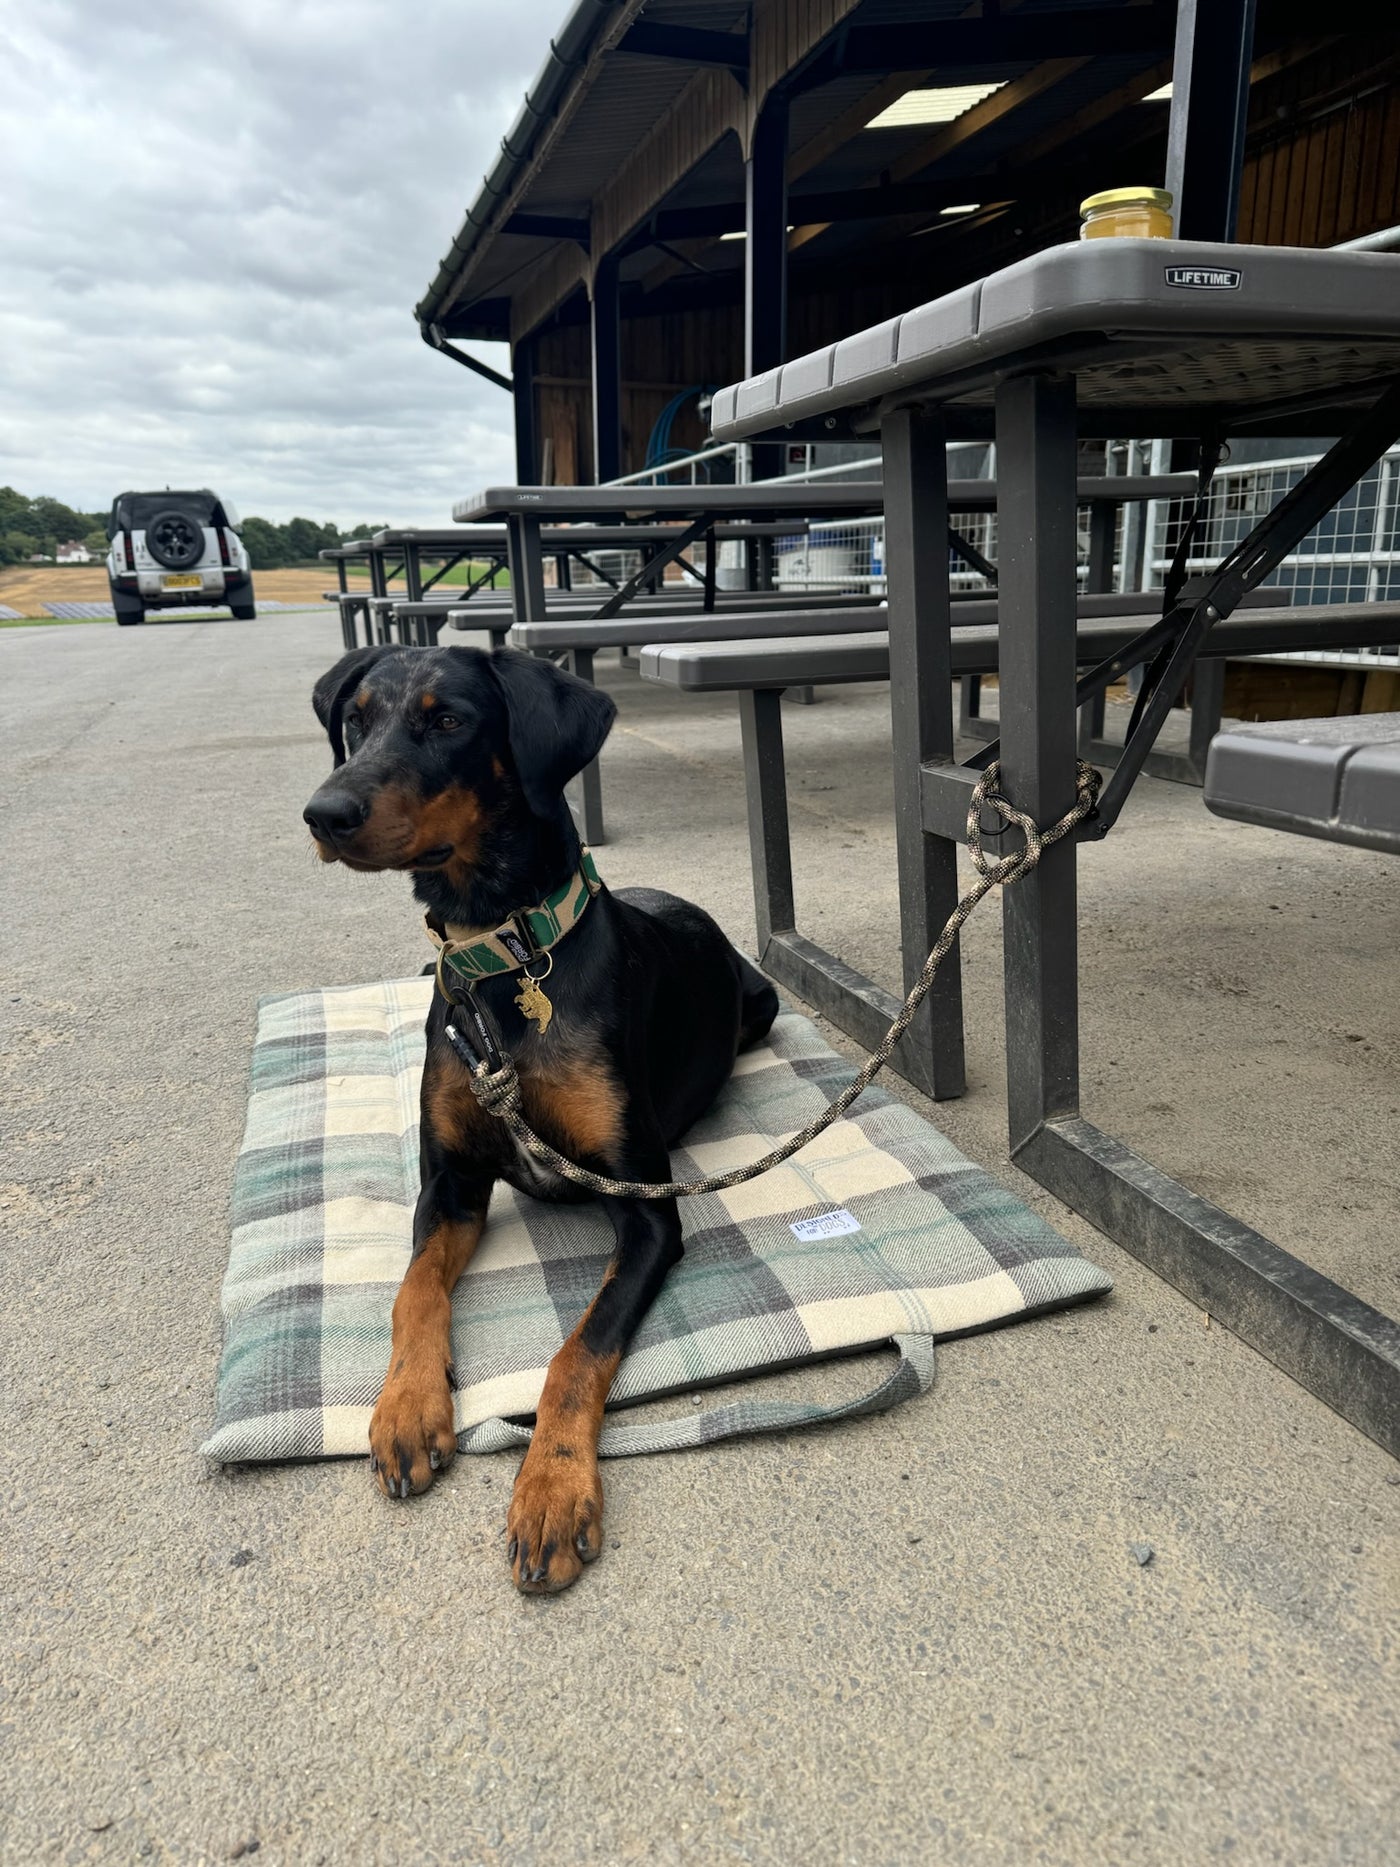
924	1637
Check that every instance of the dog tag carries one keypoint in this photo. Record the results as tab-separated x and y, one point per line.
533	1004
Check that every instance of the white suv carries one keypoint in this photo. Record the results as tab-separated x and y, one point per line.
177	551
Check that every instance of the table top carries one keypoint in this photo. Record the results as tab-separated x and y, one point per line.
810	499
561	537
582	605
1159	334
762	499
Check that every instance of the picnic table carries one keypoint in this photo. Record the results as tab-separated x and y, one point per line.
403	551
1128	337
691	513
406	551
757	513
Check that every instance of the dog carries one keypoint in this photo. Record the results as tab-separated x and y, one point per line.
450	764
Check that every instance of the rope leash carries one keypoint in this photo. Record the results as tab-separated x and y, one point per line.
498	1090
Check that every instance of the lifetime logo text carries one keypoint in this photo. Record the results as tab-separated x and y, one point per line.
1204	278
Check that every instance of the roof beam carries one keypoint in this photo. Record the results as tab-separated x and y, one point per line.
547	227
1081	32
846	204
687	45
838	131
982	116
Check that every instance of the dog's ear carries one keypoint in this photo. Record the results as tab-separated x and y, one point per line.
335	687
557	724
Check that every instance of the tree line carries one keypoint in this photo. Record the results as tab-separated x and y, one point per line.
37	527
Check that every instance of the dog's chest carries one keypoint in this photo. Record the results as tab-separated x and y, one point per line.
570	1098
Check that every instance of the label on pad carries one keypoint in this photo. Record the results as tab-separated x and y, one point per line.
829	1225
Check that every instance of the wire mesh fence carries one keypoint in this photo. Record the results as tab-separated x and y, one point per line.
1352	556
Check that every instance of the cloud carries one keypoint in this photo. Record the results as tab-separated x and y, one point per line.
220	216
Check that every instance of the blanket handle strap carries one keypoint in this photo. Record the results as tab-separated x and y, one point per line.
734	1418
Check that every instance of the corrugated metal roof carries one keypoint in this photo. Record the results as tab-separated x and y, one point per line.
629	98
594	104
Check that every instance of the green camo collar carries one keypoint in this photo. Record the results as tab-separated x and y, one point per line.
472	953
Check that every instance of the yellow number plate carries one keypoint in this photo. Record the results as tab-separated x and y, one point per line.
182	583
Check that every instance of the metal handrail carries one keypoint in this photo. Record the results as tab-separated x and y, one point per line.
648	475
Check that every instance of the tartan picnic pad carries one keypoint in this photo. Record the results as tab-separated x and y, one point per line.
879	1234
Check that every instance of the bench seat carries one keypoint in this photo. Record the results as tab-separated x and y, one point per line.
743	625
1338	779
825	660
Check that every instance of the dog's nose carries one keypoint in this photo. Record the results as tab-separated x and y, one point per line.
335	813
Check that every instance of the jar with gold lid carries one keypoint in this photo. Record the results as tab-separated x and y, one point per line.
1127	214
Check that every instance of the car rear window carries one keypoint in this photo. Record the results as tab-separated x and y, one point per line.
136	510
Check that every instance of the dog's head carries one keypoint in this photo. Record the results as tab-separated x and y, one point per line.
437	747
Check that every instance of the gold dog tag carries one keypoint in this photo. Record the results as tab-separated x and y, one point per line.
533	1004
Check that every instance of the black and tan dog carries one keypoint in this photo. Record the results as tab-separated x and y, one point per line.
451	764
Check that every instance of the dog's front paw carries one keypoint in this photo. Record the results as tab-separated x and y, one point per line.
555	1523
412	1435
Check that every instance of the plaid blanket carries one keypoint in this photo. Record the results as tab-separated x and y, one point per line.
879	1233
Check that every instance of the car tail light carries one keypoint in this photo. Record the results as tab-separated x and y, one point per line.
224	557
130	553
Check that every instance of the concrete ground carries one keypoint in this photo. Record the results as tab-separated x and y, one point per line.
922	1637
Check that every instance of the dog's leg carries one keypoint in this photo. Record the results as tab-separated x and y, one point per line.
555	1524
412	1434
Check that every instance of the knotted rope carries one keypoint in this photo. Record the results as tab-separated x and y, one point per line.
498	1090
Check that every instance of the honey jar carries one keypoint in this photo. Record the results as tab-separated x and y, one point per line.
1127	214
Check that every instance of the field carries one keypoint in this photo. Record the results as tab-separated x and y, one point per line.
27	587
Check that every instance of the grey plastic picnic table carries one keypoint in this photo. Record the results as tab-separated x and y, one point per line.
755	512
566	544
402	550
526	510
1139	337
768	506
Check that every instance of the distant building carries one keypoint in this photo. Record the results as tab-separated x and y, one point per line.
73	553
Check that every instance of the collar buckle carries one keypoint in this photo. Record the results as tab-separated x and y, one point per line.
520	921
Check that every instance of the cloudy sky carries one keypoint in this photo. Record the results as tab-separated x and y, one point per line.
218	217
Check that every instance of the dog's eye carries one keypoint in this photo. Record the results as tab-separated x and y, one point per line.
446	723
354	730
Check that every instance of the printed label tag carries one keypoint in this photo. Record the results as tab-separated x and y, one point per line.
1205	278
829	1225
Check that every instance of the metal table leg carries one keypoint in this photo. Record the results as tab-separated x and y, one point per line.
854	1003
1103	518
1339	1347
921	728
526	562
765	791
971	724
589	809
931	1052
1036	446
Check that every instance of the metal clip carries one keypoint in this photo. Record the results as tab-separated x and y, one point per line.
486	1047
